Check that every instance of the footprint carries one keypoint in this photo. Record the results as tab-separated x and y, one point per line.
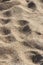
5	30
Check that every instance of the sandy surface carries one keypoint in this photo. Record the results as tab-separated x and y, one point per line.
21	32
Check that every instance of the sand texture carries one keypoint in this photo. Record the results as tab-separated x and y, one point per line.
21	32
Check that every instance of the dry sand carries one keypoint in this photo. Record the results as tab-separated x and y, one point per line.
21	32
